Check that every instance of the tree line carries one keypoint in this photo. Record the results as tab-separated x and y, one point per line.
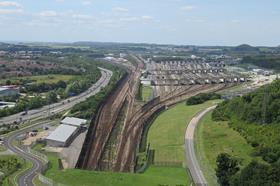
202	97
256	116
269	62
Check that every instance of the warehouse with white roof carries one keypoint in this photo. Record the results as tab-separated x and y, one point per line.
73	121
61	136
65	133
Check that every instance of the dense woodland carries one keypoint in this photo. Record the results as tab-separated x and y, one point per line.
9	165
264	61
256	116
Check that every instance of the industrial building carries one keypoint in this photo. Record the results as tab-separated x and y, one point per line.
66	132
8	91
77	122
62	136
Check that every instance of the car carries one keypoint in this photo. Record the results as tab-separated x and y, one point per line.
46	128
23	114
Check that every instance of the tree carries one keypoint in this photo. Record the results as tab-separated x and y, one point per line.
52	97
61	84
226	168
8	82
258	174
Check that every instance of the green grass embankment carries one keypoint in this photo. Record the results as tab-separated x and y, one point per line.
213	138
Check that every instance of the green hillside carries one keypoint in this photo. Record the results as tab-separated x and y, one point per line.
256	116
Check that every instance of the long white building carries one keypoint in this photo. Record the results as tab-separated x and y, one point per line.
62	136
65	133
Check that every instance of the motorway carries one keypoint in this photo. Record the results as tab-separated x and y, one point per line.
192	163
26	177
62	105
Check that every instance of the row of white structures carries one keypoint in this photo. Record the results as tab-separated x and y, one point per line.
65	133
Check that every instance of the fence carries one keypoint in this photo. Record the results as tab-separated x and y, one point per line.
48	181
39	155
168	164
44	159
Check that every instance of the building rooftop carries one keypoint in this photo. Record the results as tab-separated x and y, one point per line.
62	133
3	89
73	121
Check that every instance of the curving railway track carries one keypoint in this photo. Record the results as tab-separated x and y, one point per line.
130	138
123	152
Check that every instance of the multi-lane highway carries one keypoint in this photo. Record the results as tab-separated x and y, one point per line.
60	106
191	159
25	178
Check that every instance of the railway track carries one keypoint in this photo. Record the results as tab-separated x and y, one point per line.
126	150
128	138
102	125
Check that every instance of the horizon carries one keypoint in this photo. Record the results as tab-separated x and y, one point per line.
137	43
179	22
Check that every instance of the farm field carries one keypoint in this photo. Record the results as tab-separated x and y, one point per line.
213	138
54	78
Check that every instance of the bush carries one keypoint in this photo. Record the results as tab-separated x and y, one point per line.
201	98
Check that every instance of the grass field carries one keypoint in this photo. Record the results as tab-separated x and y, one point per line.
213	138
154	176
40	79
2	148
166	135
11	179
146	93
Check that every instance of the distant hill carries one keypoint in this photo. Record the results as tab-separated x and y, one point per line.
245	48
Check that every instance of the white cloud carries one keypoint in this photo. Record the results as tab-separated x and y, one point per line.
48	13
10	11
147	18
136	19
195	20
10	4
120	9
129	19
86	2
235	21
10	7
81	16
187	8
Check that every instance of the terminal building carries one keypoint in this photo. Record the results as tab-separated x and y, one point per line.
66	132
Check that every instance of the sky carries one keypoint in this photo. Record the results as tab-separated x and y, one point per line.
184	22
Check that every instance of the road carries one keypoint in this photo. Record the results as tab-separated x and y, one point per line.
25	178
191	159
62	105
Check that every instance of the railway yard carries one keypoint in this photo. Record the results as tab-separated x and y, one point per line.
115	133
116	137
